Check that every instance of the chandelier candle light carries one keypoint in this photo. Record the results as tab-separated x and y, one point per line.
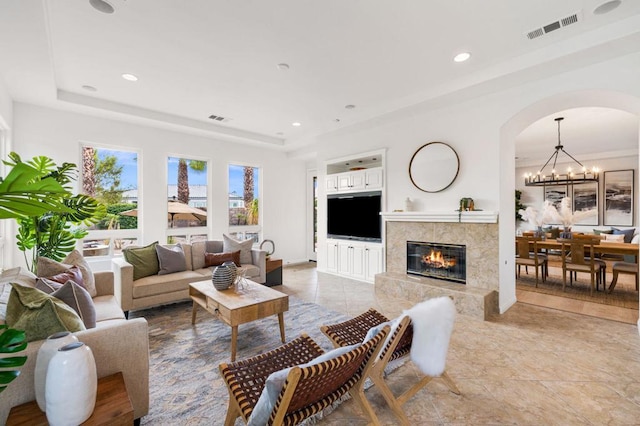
540	179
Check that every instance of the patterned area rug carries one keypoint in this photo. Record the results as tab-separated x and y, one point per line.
185	386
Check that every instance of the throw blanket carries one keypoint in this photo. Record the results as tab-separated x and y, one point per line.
432	326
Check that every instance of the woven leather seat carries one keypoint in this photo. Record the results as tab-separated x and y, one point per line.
308	389
398	346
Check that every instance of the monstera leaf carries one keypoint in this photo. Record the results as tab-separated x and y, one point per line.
11	341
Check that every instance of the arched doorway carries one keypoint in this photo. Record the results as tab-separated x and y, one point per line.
508	134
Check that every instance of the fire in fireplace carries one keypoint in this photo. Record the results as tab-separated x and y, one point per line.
435	260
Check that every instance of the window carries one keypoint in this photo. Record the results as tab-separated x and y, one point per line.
111	176
187	193
244	212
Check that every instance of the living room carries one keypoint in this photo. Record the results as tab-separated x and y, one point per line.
480	113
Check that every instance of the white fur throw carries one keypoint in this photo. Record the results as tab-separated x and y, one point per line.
432	326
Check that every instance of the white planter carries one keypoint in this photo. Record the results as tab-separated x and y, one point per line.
48	349
71	385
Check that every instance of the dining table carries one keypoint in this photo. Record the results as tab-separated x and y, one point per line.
604	247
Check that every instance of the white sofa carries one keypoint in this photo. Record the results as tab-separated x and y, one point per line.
117	344
158	290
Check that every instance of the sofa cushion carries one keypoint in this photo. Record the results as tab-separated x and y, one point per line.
628	233
614	238
215	259
73	295
107	308
162	284
198	250
186	248
231	245
170	259
143	259
48	267
39	314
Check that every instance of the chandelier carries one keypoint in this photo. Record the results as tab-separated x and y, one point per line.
582	175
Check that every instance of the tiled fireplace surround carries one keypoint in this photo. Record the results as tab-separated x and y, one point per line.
479	297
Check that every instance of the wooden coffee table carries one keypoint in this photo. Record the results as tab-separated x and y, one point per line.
236	306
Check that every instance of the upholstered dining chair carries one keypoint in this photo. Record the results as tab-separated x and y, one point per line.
624	268
578	256
297	380
528	255
433	318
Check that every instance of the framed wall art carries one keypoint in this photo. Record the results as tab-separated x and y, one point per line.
618	198
585	198
555	193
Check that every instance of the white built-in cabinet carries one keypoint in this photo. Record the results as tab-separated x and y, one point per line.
354	259
354	181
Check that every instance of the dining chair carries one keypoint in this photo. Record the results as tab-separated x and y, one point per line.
578	255
625	268
525	257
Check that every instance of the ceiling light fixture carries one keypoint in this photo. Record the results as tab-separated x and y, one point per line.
461	57
102	6
606	7
130	77
296	124
582	176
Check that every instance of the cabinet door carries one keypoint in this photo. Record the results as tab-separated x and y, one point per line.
373	259
358	180
358	261
332	256
344	258
344	181
331	183
373	178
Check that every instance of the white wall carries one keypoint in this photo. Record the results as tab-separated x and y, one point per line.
6	123
482	131
59	134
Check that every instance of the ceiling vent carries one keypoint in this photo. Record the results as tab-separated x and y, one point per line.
219	118
546	29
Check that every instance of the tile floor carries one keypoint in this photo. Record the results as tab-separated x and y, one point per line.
530	366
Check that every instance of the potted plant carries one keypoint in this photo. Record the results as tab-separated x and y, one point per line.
11	341
53	232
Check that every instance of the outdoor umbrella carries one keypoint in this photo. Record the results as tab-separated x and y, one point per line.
176	211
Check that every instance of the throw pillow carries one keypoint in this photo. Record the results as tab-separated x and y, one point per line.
73	295
615	238
47	267
144	260
39	314
16	275
603	232
198	249
628	233
554	231
72	274
170	259
215	259
231	245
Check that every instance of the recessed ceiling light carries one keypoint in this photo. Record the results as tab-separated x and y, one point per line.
283	66
296	124
337	120
89	88
606	7
129	77
461	57
349	106
102	6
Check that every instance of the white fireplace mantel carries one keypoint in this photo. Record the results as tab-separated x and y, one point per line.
477	216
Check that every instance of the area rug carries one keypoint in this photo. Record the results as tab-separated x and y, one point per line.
185	386
624	295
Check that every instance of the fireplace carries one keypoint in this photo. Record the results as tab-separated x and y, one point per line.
435	260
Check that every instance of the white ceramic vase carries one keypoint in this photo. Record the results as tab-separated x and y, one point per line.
71	386
45	353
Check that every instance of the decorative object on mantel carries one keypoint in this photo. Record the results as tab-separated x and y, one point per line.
582	175
434	167
408	205
466	204
71	386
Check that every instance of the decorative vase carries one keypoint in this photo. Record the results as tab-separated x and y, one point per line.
71	386
233	268
539	232
48	349
566	233
222	277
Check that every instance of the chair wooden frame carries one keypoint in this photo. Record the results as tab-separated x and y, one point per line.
624	268
578	262
525	257
308	389
398	346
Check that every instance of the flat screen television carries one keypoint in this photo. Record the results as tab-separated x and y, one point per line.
355	216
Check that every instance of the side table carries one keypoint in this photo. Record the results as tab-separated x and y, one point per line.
274	272
113	407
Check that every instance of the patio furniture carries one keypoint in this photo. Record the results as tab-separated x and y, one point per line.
297	380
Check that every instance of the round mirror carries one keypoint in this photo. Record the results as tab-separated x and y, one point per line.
434	167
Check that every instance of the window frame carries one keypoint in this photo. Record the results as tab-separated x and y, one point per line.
256	229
